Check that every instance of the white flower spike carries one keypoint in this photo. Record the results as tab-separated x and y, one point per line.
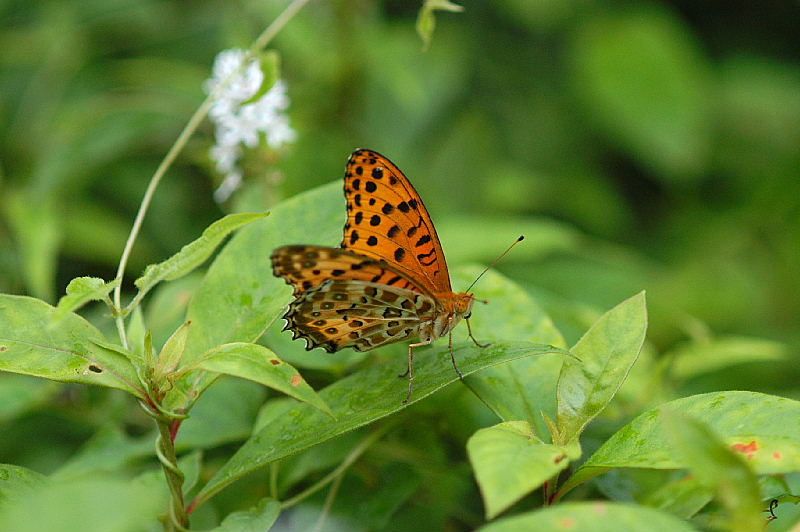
238	123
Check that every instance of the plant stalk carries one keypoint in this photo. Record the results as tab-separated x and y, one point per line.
165	449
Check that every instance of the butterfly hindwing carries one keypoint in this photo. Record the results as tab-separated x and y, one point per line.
304	267
387	220
341	313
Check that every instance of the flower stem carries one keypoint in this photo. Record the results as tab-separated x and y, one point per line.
194	122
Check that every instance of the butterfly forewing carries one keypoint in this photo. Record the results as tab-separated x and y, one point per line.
353	313
387	220
304	267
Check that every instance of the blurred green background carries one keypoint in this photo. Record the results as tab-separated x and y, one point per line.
638	145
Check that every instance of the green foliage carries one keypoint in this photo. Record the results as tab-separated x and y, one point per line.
80	291
66	350
260	517
635	145
192	255
510	462
606	354
259	364
592	517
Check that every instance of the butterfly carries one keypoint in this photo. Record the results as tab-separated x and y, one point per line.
386	283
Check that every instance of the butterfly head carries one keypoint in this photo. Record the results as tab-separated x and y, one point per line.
462	306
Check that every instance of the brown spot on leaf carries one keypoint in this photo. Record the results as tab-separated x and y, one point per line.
296	380
275	362
600	508
748	450
777	456
3	348
567	523
95	369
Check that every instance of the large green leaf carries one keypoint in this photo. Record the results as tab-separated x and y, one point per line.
67	351
717	467
523	388
194	253
646	82
761	427
239	296
257	363
607	353
510	462
357	400
592	517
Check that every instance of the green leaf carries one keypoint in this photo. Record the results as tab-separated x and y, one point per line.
38	231
524	388
239	296
607	353
80	291
194	253
716	466
322	457
260	517
713	354
592	517
647	83
426	20
68	352
269	61
20	394
107	451
257	363
510	462
224	414
683	497
357	400
97	503
136	334
759	426
15	479
170	356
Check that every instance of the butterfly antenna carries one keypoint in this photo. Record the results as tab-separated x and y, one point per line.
489	267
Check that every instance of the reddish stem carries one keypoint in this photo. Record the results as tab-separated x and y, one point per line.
173	429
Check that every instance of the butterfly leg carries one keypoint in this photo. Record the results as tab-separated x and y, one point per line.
453	358
410	370
469	328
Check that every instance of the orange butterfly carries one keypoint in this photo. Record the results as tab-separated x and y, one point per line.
389	280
